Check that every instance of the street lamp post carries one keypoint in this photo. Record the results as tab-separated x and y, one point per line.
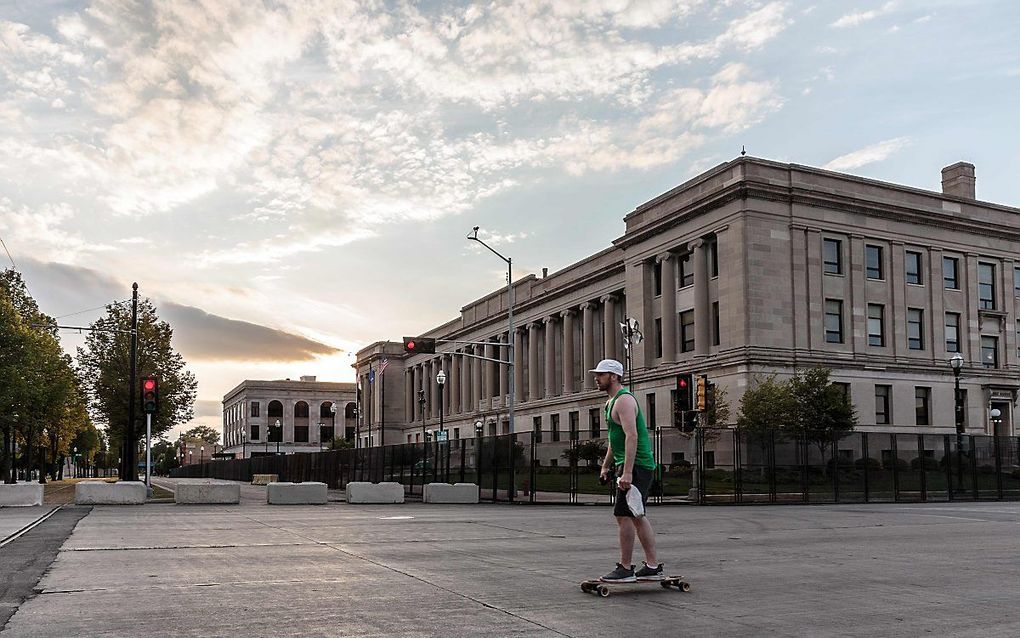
441	380
244	440
279	435
956	363
201	456
320	436
996	415
332	410
421	411
510	323
74	461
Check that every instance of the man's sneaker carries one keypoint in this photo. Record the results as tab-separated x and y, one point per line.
647	572
620	575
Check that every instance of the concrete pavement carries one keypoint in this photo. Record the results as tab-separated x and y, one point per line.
438	570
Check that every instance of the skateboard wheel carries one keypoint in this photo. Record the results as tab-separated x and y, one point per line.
603	591
586	588
682	586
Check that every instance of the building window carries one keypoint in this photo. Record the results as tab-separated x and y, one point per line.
687	331
650	420
554	427
536	426
876	325
686	271
951	273
658	338
300	410
254	433
952	332
913	268
456	433
883	399
657	278
715	323
713	258
844	389
594	423
873	262
1018	336
832	256
301	434
915	332
575	425
986	286
1016	283
833	321
709	457
254	408
922	400
990	352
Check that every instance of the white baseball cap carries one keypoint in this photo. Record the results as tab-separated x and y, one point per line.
609	365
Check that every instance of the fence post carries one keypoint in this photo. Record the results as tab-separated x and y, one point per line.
770	461
973	466
511	448
867	457
463	454
949	467
835	466
531	472
998	465
895	467
922	462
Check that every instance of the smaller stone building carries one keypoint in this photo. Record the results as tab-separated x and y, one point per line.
266	417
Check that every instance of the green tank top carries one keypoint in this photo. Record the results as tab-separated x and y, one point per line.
618	439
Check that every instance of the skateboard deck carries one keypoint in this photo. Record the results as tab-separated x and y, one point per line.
601	587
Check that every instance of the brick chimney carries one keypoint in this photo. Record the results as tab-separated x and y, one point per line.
958	180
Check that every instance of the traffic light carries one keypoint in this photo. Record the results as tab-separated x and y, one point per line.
150	395
419	345
683	392
702	393
690	422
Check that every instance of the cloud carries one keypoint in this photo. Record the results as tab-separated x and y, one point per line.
868	155
859	18
200	335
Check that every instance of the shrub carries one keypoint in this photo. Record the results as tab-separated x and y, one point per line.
929	463
868	462
899	463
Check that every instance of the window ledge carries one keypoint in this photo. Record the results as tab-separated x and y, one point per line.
988	312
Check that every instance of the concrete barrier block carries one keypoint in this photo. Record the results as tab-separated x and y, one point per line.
21	495
207	492
359	492
446	493
102	493
310	493
264	479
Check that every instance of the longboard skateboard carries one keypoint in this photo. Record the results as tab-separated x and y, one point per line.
601	587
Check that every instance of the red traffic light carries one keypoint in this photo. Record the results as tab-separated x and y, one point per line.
683	383
149	385
410	345
419	345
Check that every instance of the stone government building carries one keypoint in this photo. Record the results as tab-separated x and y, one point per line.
751	268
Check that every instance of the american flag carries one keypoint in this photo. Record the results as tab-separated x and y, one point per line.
382	365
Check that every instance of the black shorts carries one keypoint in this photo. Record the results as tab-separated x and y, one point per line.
642	480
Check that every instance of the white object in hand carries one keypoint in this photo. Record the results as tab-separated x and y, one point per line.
634	502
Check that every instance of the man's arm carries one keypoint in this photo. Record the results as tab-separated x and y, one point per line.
607	462
625	413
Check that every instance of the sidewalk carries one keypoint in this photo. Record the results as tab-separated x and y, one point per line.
499	570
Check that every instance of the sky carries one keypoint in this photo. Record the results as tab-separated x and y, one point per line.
290	181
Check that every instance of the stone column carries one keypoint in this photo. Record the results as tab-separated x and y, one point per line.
551	382
702	307
568	351
518	364
476	386
453	382
669	318
465	381
609	327
486	373
433	388
408	395
504	370
588	344
534	376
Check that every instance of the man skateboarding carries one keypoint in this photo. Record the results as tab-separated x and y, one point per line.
630	454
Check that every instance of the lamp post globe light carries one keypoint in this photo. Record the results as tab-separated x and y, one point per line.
956	363
201	456
332	410
996	415
244	440
74	461
279	435
441	380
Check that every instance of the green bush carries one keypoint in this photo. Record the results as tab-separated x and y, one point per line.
929	463
868	462
899	463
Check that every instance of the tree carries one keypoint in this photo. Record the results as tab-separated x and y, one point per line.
340	443
41	404
164	457
202	433
104	363
719	414
764	409
821	409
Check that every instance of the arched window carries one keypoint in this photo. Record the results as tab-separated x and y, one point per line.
275	409
351	410
300	410
325	412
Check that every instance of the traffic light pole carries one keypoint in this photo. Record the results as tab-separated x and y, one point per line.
148	453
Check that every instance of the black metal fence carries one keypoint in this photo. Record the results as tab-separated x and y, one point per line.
858	467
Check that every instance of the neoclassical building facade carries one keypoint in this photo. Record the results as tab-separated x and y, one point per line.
752	268
263	417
